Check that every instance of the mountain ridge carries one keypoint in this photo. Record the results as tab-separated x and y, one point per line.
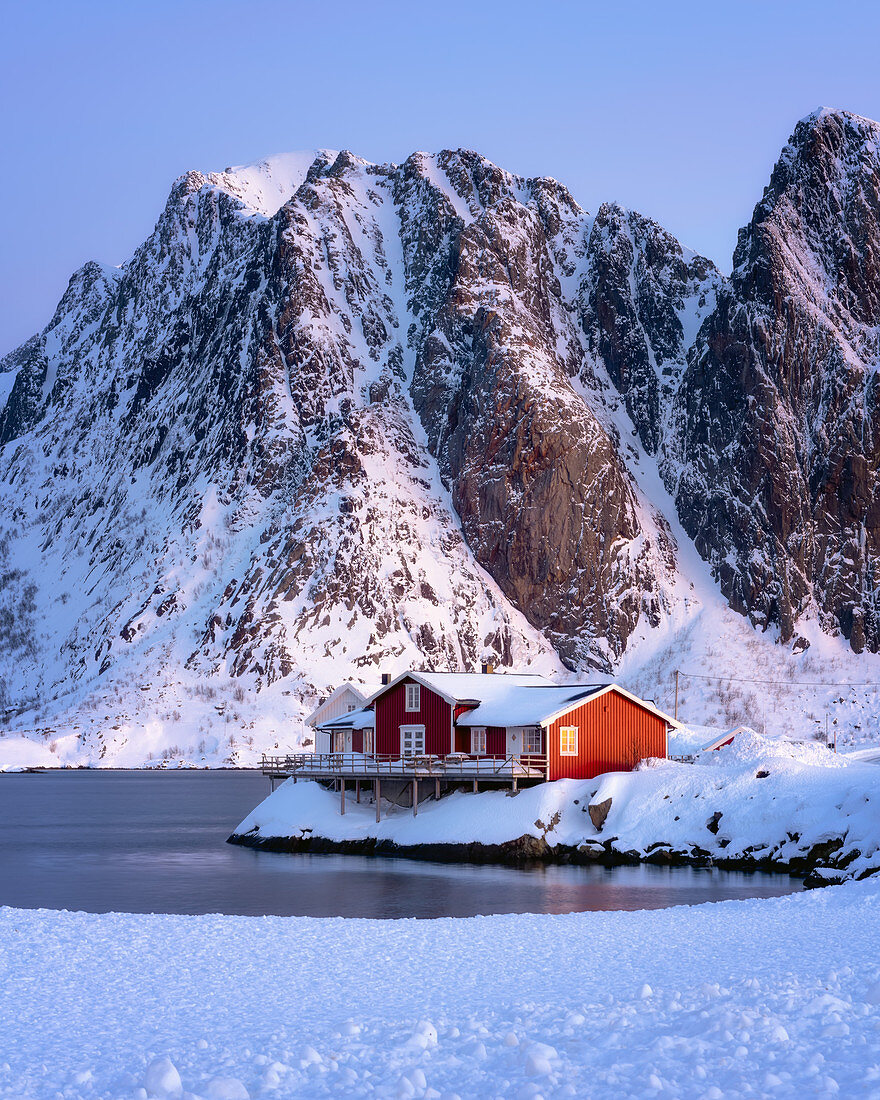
421	413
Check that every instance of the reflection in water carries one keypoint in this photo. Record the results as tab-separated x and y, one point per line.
154	842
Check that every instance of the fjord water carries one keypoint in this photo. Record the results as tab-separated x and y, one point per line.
154	842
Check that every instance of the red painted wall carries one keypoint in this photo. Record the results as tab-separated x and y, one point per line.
496	741
435	714
463	734
611	731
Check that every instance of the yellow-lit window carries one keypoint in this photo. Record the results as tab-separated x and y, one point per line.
568	741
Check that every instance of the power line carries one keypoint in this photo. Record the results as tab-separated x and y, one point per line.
778	683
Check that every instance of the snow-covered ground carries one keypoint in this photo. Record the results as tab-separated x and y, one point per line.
755	998
757	798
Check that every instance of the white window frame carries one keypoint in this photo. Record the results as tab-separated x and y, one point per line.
533	736
571	740
368	741
478	740
416	737
413	698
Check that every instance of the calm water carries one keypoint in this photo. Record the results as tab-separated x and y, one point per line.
154	842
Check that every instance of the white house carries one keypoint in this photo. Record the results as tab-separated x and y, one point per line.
352	732
344	700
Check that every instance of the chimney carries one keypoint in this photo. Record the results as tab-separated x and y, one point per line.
488	668
386	679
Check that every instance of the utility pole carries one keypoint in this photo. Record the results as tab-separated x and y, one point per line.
676	695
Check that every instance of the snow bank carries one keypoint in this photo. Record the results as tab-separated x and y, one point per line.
758	801
493	817
775	997
18	753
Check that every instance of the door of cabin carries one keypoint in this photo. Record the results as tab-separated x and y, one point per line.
412	740
533	745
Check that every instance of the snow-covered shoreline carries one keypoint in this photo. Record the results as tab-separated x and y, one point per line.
732	999
758	803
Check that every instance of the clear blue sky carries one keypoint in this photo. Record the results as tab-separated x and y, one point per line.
675	109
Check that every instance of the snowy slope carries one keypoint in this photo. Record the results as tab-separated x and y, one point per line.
264	187
334	418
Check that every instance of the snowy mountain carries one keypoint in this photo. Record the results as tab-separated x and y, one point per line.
335	417
777	432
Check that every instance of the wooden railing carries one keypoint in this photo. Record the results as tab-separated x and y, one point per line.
451	766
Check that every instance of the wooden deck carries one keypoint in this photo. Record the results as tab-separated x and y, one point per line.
355	765
438	772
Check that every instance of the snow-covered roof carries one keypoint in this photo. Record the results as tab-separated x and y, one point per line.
312	719
511	698
528	705
363	719
723	738
467	687
541	705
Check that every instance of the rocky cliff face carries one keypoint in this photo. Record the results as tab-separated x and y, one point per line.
775	449
546	502
334	416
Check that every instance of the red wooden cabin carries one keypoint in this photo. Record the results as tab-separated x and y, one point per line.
571	732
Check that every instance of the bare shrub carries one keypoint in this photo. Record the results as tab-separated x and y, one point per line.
637	749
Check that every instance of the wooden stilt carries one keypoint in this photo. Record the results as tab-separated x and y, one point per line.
436	790
342	796
357	790
475	786
378	799
415	797
513	785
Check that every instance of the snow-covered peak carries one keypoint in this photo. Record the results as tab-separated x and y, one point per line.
267	184
844	142
823	114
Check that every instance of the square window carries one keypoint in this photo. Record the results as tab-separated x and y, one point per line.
413	697
478	741
568	740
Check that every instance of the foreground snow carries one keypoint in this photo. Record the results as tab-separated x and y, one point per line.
758	798
776	997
